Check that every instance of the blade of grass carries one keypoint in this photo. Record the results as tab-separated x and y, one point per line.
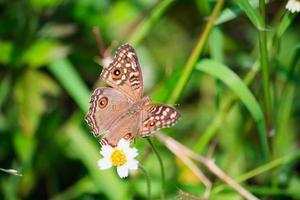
83	148
270	165
65	72
145	26
285	23
232	12
262	169
251	13
229	102
203	7
271	191
284	139
216	45
228	77
228	14
81	187
4	89
197	51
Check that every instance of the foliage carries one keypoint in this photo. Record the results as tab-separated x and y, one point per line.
234	77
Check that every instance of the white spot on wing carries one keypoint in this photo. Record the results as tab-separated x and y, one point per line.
173	115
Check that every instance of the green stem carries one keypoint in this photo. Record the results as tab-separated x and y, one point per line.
163	179
147	180
264	62
197	51
271	191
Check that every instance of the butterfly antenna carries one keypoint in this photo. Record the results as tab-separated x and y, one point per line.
100	43
112	45
176	105
105	53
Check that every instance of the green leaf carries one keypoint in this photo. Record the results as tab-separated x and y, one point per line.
228	77
228	14
216	44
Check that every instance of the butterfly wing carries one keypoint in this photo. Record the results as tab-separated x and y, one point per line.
156	117
125	126
105	107
124	73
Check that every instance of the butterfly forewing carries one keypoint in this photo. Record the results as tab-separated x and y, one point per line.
124	73
158	116
105	107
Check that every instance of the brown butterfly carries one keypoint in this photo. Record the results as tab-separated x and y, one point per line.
122	111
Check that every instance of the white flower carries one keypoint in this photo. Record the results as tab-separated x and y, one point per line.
293	6
122	157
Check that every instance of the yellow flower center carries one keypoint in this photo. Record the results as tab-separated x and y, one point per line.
118	158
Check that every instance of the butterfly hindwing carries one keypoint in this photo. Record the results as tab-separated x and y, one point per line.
156	117
124	73
125	126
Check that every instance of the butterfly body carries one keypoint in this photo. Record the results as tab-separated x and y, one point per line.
122	111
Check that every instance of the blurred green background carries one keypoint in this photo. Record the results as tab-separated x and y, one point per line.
48	69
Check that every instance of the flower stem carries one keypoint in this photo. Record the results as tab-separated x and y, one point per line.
264	62
147	180
161	168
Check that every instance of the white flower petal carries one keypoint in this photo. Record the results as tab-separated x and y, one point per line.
123	144
106	150
293	6
132	164
104	163
131	153
122	171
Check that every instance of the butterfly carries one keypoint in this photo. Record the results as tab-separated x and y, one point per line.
121	111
